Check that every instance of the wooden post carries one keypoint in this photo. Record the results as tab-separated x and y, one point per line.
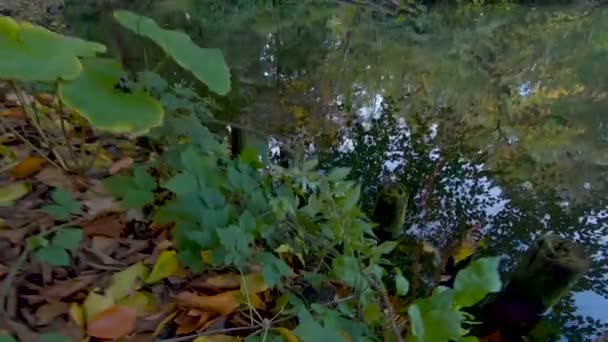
551	266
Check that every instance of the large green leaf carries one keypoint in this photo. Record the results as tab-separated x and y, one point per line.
33	53
208	65
477	280
95	96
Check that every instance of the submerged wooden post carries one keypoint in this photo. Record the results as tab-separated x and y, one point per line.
551	266
390	210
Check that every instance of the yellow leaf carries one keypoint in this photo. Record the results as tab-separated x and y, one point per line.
10	193
164	322
143	302
287	334
77	314
225	303
125	282
27	167
207	257
217	338
96	303
166	265
253	283
284	248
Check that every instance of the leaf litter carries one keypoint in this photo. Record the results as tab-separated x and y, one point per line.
87	269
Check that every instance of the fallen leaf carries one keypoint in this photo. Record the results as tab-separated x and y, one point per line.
217	338
224	303
56	178
62	289
13	112
77	314
287	334
166	265
12	192
104	244
14	235
45	99
46	313
27	167
253	283
186	323
99	205
125	282
120	165
218	282
109	226
96	303
164	322
143	302
112	323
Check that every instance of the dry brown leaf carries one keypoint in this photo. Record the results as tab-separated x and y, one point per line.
217	282
109	226
186	323
100	204
55	177
104	244
45	99
48	312
120	165
14	112
14	236
65	288
223	303
112	323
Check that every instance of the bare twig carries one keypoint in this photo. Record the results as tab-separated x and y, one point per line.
66	136
389	311
27	142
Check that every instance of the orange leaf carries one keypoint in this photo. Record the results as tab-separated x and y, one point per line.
187	323
112	323
224	303
27	167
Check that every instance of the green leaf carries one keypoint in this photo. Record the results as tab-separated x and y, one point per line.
236	244
347	269
385	247
7	338
338	174
135	199
95	96
273	269
401	284
24	52
36	241
119	185
11	193
53	337
53	255
183	183
124	282
478	279
143	179
207	65
67	238
65	205
166	265
416	323
247	222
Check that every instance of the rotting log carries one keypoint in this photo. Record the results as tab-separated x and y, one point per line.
389	212
549	269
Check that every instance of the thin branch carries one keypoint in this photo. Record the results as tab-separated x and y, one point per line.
389	310
27	142
66	136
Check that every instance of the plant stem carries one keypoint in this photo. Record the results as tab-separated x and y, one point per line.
27	142
66	136
389	310
33	112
